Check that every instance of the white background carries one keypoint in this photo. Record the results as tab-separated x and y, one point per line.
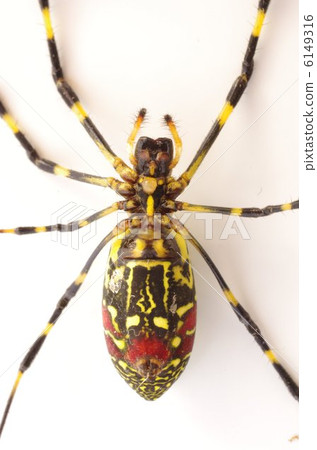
171	57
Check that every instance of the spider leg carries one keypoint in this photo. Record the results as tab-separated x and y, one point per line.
70	292
75	225
240	312
122	188
242	212
131	139
232	99
177	140
71	99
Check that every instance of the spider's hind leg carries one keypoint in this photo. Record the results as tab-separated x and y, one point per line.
69	294
241	313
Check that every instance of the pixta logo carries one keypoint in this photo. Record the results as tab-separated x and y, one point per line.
70	214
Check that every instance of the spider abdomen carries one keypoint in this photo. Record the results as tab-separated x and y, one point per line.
149	312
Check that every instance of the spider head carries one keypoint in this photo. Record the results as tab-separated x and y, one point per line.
153	156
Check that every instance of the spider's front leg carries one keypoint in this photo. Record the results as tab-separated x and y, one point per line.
237	89
72	100
122	188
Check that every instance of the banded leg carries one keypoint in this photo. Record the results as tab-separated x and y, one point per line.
71	99
232	99
122	188
242	212
241	313
70	293
75	225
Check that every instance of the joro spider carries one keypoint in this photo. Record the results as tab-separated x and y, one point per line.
148	188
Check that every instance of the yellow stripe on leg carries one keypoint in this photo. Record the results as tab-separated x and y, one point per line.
271	356
47	329
286	207
258	23
11	123
48	24
83	223
78	109
40	229
61	171
236	211
16	383
80	279
8	230
229	296
225	113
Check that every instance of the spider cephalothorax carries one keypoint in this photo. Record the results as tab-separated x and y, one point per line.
152	160
154	156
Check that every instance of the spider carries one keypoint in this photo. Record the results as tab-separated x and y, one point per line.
223	116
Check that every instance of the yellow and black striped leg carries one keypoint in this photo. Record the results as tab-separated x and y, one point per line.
71	99
241	313
232	99
72	226
70	292
122	188
242	212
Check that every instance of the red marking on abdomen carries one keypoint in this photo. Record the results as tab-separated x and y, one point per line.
187	340
147	347
107	324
